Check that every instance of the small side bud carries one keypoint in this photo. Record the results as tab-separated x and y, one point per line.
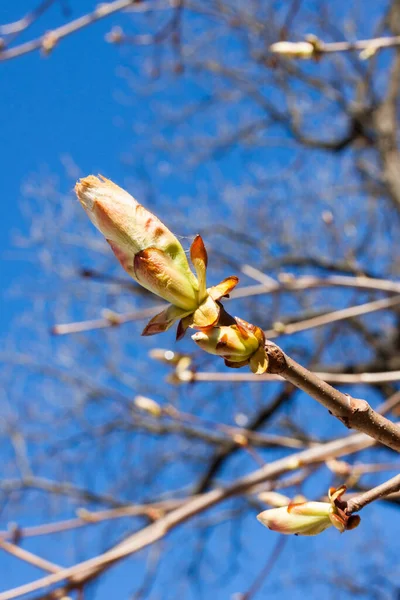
115	35
49	42
302	50
238	345
148	405
310	518
368	52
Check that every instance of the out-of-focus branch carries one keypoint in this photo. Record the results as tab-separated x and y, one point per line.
338	378
113	319
29	557
334	316
219	458
386	121
313	47
87	517
13	29
110	319
58	488
47	42
87	570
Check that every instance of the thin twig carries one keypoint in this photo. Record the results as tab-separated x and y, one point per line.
113	319
334	316
29	557
87	517
338	378
370	44
12	29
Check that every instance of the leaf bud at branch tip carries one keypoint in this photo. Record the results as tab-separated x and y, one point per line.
310	518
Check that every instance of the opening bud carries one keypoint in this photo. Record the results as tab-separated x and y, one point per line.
239	344
310	518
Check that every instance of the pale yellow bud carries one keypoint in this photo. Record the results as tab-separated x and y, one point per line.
293	49
227	342
310	518
238	344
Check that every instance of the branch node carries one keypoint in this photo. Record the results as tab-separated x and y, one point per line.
276	358
357	405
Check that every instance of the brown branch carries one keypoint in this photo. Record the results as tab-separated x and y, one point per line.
352	412
358	502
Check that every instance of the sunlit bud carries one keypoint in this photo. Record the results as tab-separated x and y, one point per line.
166	356
368	52
86	515
179	377
240	439
111	316
153	256
145	247
310	518
49	42
115	36
293	49
279	327
148	405
327	217
238	345
227	342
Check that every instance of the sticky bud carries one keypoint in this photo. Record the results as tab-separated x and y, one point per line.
293	49
310	518
148	405
151	254
239	344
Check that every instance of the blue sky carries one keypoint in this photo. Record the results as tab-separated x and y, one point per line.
51	108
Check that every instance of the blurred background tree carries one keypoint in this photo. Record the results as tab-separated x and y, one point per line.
290	170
